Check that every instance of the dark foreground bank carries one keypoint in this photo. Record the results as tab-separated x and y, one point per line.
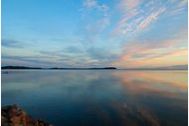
12	115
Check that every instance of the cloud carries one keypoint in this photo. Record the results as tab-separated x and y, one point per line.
90	3
96	19
139	15
129	4
135	19
149	19
152	58
94	5
183	3
94	30
11	43
75	57
149	53
45	60
177	7
73	49
25	60
102	54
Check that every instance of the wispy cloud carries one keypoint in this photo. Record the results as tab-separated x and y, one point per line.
129	4
11	43
138	15
26	60
150	18
94	4
94	26
102	55
149	53
90	3
153	58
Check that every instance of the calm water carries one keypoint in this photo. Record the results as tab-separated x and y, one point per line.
101	97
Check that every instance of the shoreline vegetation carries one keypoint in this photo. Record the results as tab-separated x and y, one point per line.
12	115
176	67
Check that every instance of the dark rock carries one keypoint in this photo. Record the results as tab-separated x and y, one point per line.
12	115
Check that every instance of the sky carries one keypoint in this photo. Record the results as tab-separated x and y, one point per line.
94	33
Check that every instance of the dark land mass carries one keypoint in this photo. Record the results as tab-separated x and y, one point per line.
54	68
12	115
19	67
83	68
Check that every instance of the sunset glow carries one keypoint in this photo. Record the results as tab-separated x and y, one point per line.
94	33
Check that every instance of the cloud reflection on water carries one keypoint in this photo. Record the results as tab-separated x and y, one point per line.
116	97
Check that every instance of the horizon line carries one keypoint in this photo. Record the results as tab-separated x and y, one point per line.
175	67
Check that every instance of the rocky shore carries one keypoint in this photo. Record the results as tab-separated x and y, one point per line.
12	115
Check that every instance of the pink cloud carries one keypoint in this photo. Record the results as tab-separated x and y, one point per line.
129	4
135	18
154	52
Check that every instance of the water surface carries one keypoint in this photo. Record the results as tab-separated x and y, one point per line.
99	97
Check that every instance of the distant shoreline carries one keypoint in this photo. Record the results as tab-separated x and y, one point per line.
56	68
180	67
92	68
